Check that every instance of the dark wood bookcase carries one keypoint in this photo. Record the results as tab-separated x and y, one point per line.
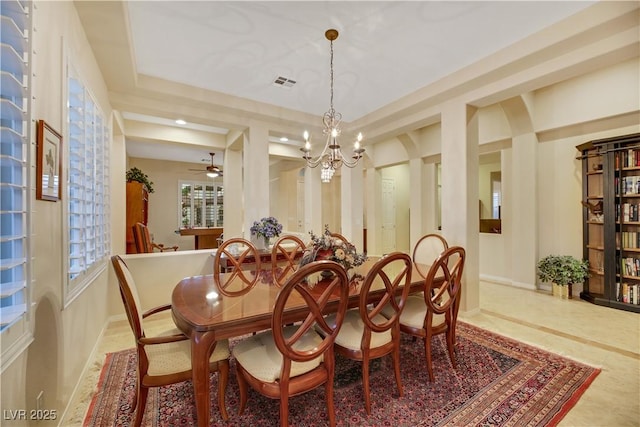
137	211
611	221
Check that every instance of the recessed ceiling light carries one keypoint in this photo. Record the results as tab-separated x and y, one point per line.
284	139
181	122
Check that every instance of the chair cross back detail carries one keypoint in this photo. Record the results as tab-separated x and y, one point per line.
284	259
245	267
369	334
392	285
438	305
427	250
316	304
339	236
304	359
445	296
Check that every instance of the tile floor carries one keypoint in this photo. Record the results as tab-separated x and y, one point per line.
599	336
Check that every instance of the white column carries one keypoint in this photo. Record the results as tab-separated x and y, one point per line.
524	230
460	220
232	184
415	201
118	191
256	174
430	203
373	185
352	205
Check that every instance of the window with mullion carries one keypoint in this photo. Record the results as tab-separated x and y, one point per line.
201	204
88	190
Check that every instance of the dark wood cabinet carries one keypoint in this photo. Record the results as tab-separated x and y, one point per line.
137	211
205	238
611	221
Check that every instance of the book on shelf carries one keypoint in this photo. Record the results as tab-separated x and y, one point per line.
630	185
628	159
630	267
630	212
628	293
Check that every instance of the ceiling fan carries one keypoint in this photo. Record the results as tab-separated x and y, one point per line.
212	170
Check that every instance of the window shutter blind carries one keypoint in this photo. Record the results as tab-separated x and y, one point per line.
88	187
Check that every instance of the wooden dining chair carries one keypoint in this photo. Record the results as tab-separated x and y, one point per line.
165	358
366	334
144	243
292	359
436	310
236	267
285	257
427	250
339	236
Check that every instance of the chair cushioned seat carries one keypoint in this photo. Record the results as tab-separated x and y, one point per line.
414	312
260	357
350	335
174	357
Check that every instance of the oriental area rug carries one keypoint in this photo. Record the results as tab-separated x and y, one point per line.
498	382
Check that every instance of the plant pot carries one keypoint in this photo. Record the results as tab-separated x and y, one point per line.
261	243
562	291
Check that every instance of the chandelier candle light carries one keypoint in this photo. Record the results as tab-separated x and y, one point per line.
331	157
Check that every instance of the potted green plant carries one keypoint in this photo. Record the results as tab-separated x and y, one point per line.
135	174
562	271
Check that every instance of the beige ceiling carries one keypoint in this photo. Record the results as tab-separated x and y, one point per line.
213	62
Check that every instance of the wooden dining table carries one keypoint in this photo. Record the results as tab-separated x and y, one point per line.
206	316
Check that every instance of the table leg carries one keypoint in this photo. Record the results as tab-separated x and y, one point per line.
202	345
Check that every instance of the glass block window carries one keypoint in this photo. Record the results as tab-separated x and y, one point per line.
15	134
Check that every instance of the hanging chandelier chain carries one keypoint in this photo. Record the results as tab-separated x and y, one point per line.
331	157
331	110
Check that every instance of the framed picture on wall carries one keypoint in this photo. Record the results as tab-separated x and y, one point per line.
49	163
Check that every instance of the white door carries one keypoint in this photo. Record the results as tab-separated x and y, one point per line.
388	215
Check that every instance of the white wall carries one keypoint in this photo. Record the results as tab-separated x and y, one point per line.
600	104
64	336
156	275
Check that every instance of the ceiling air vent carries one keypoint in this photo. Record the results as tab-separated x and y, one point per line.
283	82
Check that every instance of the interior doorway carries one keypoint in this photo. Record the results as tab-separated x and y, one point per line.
388	215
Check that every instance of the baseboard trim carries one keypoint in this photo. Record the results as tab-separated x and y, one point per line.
85	370
508	282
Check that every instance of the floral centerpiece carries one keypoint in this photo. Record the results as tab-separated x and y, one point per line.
335	249
267	228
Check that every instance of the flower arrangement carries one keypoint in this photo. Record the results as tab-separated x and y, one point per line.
267	228
332	248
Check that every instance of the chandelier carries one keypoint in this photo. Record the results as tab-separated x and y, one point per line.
331	157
